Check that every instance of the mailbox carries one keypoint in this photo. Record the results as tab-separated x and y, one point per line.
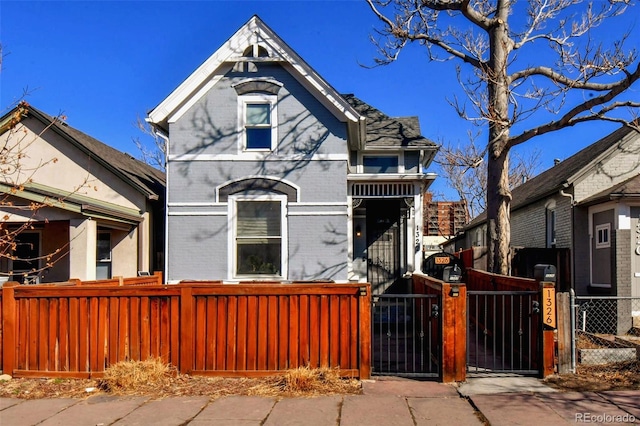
545	273
452	274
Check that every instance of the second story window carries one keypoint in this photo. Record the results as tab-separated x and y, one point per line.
380	164
258	115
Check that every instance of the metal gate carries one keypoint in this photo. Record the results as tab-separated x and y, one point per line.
406	335
386	241
504	332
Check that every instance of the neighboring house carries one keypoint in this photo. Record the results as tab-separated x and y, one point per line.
588	203
442	221
103	213
273	175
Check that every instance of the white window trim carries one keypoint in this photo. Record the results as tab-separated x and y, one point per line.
254	98
602	244
231	226
551	233
399	155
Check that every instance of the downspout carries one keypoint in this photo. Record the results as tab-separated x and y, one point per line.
573	277
165	138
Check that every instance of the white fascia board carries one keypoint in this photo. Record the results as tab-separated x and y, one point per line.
329	98
189	89
233	46
390	177
182	109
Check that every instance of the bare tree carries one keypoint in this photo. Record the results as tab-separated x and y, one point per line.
525	59
463	167
156	154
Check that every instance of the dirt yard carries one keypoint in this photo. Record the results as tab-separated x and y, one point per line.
596	378
158	381
593	378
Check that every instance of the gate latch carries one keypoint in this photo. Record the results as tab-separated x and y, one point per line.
536	307
434	311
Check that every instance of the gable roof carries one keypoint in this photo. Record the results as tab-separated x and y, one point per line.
144	178
255	31
562	174
567	171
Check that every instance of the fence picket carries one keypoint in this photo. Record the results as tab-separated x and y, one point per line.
204	328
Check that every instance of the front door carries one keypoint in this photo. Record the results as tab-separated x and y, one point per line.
386	260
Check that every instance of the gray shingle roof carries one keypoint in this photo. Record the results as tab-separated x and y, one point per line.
553	179
145	178
388	132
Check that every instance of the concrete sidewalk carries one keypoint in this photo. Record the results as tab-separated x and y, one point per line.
495	401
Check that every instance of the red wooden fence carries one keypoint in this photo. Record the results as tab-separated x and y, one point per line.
201	328
485	281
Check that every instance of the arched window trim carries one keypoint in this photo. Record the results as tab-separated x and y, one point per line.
257	184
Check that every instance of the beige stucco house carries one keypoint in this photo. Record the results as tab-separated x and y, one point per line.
79	208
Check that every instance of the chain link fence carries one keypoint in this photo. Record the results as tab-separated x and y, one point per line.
607	329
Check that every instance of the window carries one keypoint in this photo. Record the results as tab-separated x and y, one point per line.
602	235
380	164
25	258
103	255
259	236
258	113
551	227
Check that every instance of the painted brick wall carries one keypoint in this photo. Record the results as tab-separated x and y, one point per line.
621	166
528	226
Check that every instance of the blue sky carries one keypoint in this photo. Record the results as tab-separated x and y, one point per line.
104	63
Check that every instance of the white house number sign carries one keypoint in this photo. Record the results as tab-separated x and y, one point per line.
638	238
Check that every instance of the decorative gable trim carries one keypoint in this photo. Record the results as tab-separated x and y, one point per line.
256	32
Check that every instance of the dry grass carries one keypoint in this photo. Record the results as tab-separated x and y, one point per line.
305	381
137	376
597	378
157	380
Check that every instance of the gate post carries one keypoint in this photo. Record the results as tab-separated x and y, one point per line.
9	328
454	332
364	328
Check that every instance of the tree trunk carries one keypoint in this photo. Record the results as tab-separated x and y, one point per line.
498	193
498	213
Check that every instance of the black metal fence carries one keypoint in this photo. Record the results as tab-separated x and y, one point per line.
503	332
406	335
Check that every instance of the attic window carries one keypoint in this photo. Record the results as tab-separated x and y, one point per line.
255	51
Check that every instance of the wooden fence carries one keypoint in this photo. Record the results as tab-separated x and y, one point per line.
485	281
249	329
